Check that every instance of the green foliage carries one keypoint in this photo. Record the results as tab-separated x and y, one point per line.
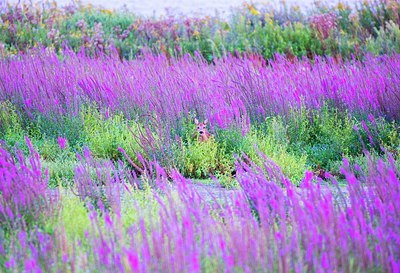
383	136
233	142
198	159
105	135
11	130
375	14
335	134
325	135
61	172
270	140
68	126
107	18
389	136
137	203
210	264
294	39
387	39
73	216
47	148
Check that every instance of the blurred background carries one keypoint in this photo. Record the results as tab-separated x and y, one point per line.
186	7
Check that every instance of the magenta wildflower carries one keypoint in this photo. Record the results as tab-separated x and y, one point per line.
133	261
62	142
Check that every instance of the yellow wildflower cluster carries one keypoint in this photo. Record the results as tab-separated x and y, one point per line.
252	9
196	33
341	6
107	11
269	18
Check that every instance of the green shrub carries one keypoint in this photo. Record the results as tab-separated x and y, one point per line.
325	135
387	40
73	216
299	130
105	135
217	156
335	133
67	126
61	172
48	148
385	135
135	204
271	144
233	142
11	130
198	159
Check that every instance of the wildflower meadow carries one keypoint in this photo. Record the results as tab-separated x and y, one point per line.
265	141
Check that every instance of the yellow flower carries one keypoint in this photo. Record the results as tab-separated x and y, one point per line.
107	11
299	25
196	33
341	6
252	9
88	7
76	35
226	27
268	18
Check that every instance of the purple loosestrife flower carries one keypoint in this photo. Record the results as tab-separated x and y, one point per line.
62	142
268	224
133	260
32	266
11	263
23	187
223	93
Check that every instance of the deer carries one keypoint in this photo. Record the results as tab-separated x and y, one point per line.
204	135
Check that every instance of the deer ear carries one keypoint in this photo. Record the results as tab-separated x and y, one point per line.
205	121
196	121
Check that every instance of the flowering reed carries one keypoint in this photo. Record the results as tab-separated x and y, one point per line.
231	91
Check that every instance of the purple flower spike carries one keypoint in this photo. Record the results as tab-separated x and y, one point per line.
62	142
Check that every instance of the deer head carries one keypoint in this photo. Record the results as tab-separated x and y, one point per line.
204	135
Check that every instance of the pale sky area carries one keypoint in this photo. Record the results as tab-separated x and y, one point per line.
187	7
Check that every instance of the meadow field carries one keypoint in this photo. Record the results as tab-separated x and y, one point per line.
268	141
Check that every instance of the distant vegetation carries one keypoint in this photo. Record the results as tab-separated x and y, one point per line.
340	31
